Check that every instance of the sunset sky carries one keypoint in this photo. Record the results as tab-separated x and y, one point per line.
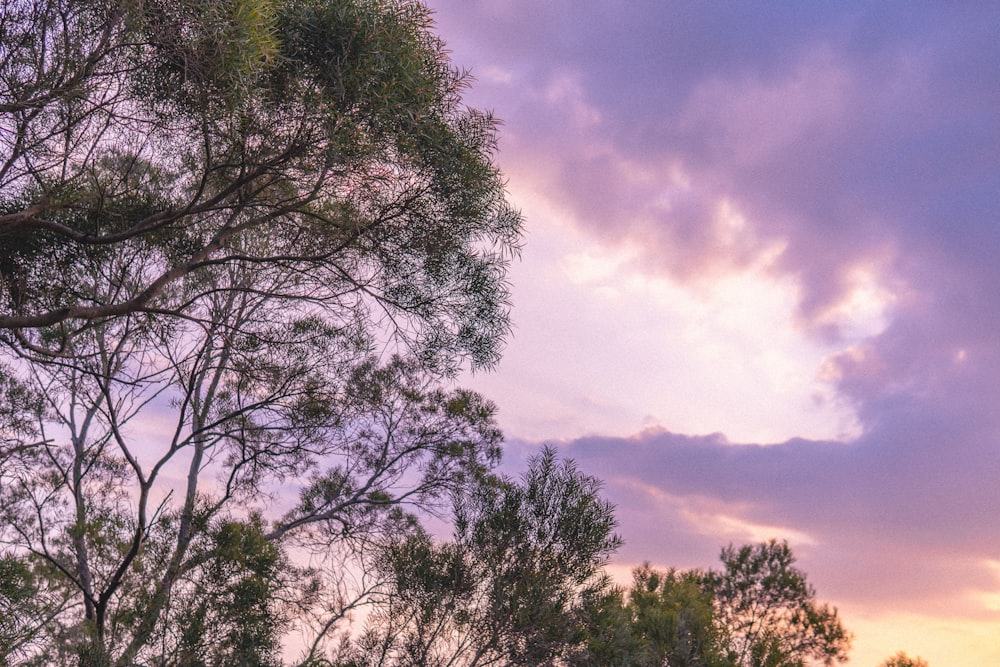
760	289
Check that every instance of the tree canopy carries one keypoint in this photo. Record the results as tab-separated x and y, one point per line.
155	152
508	589
664	618
758	611
243	246
901	659
770	609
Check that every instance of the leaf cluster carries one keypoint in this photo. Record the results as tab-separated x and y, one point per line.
151	143
771	612
507	589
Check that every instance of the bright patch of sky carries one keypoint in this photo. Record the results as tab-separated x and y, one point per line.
601	345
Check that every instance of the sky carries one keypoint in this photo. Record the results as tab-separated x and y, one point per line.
759	294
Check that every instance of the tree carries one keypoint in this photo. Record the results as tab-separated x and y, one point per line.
100	510
27	604
606	633
242	245
508	589
903	660
666	618
147	145
769	611
759	611
673	618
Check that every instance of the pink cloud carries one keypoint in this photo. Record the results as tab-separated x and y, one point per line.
855	148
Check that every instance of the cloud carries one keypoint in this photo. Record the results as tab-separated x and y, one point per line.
851	149
890	524
851	145
844	158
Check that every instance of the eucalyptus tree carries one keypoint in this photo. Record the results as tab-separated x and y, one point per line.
758	611
769	610
510	586
145	141
664	618
242	243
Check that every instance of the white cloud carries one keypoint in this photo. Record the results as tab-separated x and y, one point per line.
601	345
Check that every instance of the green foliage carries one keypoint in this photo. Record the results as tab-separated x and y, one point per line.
667	619
320	138
674	619
232	614
28	602
770	612
510	586
20	413
605	630
244	244
541	544
759	611
901	659
17	589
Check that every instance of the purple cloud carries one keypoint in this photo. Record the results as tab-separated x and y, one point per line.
895	520
853	147
850	132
